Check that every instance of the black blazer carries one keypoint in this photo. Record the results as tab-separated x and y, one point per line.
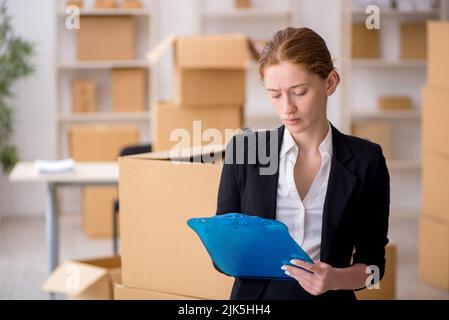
355	215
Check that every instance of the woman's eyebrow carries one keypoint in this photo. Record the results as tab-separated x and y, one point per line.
299	85
292	87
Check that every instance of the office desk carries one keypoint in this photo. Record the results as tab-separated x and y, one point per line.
85	173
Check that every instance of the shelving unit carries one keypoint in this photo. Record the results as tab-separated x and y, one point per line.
73	65
383	63
390	12
258	22
104	117
113	12
390	115
366	79
246	13
67	69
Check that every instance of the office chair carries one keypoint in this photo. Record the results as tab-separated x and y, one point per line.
126	151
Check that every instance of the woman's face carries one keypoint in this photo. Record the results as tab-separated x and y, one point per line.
298	95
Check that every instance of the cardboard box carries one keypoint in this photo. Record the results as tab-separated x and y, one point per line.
168	117
434	252
437	53
387	286
159	251
435	184
209	70
365	42
242	4
105	38
105	4
413	40
99	143
435	129
122	292
394	103
97	206
209	88
84	96
128	89
91	279
76	3
131	4
377	131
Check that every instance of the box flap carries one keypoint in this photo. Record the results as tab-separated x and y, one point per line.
228	51
183	154
72	278
106	262
212	51
155	54
255	47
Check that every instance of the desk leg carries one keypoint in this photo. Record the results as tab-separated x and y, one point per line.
51	229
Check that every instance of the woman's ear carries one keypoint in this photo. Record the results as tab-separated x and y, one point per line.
332	81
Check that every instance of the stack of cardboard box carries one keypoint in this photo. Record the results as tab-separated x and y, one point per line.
162	258
209	86
434	224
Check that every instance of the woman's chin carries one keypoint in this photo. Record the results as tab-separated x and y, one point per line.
294	128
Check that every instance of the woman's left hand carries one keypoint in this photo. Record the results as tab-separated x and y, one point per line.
323	277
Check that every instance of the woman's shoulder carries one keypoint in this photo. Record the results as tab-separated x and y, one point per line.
363	147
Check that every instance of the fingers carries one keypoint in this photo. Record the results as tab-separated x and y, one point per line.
305	265
304	278
297	272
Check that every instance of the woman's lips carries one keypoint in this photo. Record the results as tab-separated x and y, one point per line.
291	121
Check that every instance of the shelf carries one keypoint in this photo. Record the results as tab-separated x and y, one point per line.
406	164
393	115
104	64
380	63
104	117
112	12
246	13
397	13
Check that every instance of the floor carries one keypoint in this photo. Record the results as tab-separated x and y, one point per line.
23	255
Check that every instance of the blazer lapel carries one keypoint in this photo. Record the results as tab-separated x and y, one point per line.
340	186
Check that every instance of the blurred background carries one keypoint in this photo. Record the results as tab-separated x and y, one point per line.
87	93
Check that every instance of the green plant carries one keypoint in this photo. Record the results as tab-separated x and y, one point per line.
15	54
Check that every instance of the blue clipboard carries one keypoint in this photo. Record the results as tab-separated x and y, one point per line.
245	246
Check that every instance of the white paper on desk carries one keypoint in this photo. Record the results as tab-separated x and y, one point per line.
54	166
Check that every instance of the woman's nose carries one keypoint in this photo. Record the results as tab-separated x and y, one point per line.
287	106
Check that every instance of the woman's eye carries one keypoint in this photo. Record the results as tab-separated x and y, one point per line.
299	94
276	96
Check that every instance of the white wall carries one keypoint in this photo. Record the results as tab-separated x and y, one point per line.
34	129
34	97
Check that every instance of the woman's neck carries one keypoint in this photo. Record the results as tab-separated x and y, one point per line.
311	139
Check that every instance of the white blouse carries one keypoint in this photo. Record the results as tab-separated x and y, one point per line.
303	217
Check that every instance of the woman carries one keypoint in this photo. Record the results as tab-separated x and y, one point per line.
331	190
